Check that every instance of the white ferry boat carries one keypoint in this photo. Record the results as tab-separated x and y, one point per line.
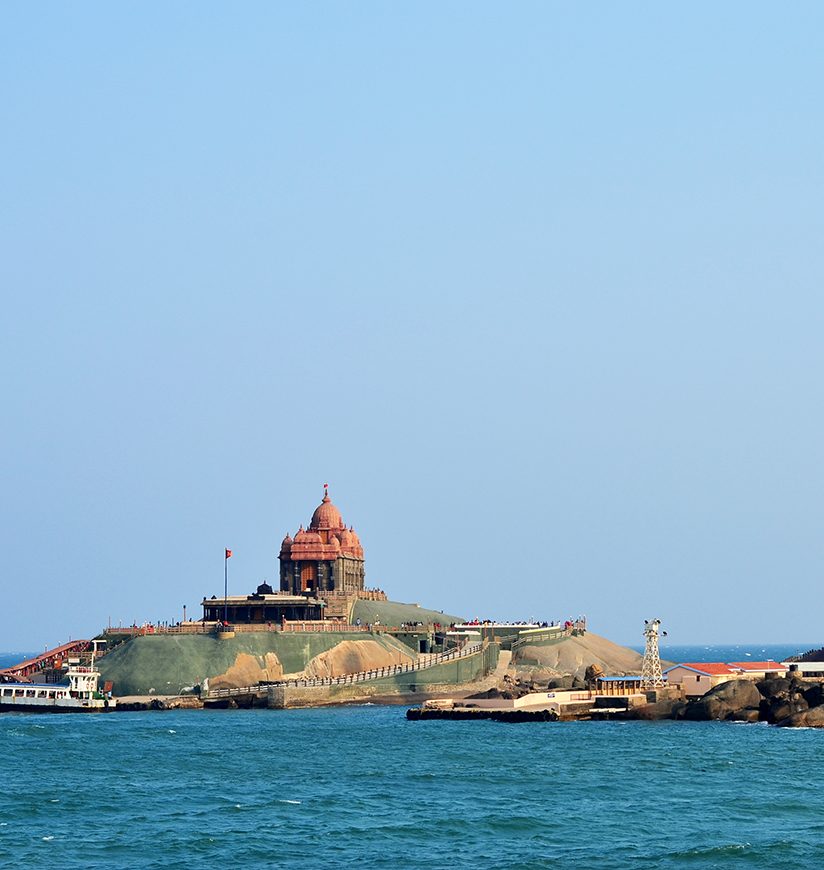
80	696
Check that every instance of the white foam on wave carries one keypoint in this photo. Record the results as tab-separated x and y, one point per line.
172	731
47	839
285	801
54	800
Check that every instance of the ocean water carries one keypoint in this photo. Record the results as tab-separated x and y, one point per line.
361	787
12	658
732	652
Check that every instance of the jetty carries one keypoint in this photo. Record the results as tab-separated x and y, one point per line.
550	706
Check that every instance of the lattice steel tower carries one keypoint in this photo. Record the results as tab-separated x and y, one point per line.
651	676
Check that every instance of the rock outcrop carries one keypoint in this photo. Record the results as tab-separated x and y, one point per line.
787	702
725	701
248	670
573	655
664	709
352	656
812	718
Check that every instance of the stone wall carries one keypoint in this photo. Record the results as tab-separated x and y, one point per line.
439	678
165	664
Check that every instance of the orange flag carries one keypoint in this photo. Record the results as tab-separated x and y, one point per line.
228	554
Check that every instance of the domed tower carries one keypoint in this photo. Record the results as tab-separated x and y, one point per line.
325	558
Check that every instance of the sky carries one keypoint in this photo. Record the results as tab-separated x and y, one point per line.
536	288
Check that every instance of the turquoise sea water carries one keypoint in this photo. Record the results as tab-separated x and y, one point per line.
361	786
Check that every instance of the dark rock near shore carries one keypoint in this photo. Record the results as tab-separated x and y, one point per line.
784	697
663	709
812	718
778	687
748	714
488	694
190	702
814	695
776	701
781	708
564	682
723	701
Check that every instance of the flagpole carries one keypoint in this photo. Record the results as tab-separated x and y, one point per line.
225	585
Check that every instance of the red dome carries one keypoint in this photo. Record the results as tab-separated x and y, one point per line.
326	516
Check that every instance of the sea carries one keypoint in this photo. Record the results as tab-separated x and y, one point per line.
360	786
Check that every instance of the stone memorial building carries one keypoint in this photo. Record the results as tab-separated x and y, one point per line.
326	557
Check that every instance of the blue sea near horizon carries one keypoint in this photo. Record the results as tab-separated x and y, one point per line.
731	652
361	786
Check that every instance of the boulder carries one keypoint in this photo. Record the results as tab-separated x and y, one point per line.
352	656
748	714
780	708
592	674
249	670
488	694
777	687
663	709
724	700
812	718
814	695
572	655
564	682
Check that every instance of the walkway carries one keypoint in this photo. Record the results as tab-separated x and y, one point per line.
50	660
425	661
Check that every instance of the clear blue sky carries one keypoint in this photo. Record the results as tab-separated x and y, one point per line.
537	289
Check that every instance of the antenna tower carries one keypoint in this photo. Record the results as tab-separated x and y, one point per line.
651	676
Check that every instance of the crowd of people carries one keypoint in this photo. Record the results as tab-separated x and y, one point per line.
568	624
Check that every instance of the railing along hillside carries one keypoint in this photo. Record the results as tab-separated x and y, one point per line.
426	661
308	627
571	629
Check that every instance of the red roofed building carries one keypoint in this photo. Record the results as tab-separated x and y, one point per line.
697	678
326	557
760	669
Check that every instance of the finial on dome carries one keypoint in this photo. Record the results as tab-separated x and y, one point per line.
326	492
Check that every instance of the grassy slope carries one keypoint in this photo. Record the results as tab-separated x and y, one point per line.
394	613
167	663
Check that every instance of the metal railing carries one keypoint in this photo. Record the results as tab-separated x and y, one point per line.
431	660
308	627
578	627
